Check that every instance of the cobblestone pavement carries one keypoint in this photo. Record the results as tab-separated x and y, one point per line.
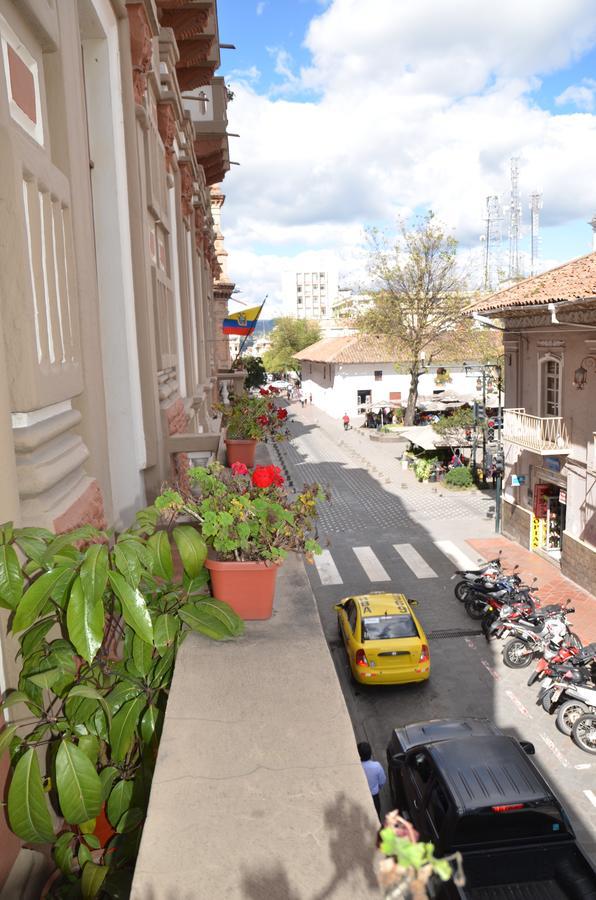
384	531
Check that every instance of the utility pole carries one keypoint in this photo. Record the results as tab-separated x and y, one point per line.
514	221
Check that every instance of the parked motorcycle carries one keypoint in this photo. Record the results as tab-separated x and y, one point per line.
532	640
490	571
507	591
572	696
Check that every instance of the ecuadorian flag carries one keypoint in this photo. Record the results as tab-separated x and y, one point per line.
242	322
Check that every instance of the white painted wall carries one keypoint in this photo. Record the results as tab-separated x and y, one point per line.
334	388
127	452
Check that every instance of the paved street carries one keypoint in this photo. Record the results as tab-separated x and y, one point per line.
382	530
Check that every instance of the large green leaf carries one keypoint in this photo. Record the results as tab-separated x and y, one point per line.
134	607
92	880
11	576
120	693
131	819
119	801
6	737
63	852
89	744
122	730
162	552
34	599
142	655
150	722
164	632
213	618
33	548
94	572
18	697
27	808
78	784
191	547
85	620
107	777
128	563
33	637
138	545
46	678
162	669
84	533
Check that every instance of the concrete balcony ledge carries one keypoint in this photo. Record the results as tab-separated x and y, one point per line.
258	792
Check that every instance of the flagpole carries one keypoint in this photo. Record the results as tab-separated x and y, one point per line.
246	336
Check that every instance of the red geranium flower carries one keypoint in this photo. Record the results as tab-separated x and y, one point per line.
273	390
271	406
282	414
263	420
265	476
238	468
263	392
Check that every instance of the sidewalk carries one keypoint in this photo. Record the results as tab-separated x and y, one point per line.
553	587
258	792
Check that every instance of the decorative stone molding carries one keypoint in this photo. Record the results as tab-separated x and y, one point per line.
141	49
186	188
166	125
88	509
551	343
186	23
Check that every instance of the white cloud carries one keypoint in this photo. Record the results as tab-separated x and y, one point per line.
261	7
412	108
581	95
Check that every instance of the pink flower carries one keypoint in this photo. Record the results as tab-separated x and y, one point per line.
238	468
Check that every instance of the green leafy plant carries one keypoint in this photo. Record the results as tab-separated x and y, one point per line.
256	374
246	517
424	467
99	619
406	865
460	477
255	418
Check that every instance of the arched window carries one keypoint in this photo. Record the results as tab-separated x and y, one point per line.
550	387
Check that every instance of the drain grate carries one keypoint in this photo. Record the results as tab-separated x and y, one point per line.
455	633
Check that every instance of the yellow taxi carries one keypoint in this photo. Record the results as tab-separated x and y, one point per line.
384	640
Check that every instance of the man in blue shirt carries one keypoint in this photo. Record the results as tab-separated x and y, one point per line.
374	772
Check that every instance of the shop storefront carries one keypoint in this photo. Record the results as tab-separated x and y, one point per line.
549	506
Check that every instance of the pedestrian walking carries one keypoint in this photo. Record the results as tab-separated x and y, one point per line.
310	398
302	397
375	774
346	421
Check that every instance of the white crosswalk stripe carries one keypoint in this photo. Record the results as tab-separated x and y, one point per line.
414	561
457	556
370	564
328	572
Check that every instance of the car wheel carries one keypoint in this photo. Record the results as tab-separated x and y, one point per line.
584	733
568	714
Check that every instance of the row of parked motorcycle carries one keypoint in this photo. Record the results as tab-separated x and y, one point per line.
510	610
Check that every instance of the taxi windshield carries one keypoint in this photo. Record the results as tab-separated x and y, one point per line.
385	628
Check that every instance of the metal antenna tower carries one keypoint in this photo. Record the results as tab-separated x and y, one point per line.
492	241
514	220
535	207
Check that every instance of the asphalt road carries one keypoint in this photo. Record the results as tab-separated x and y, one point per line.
383	533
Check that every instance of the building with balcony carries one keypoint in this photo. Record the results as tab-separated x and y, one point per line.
112	266
549	427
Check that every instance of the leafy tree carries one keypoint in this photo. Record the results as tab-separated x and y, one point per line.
287	338
417	294
256	374
456	426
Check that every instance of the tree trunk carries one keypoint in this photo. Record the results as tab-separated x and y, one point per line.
412	396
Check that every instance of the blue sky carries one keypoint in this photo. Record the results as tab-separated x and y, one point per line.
352	116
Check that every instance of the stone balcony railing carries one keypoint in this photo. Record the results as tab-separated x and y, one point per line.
546	435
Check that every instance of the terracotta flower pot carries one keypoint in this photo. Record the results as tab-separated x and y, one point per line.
249	587
241	451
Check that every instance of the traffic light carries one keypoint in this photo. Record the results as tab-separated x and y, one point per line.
490	430
499	461
479	414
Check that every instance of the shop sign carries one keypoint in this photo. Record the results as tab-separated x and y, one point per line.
563	497
541	493
553	463
517	480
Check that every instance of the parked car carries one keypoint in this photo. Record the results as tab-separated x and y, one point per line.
281	385
468	787
384	640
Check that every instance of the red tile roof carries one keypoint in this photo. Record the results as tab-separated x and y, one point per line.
575	280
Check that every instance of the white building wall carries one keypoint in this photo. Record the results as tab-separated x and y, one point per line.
334	388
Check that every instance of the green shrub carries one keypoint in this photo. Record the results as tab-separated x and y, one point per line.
424	467
459	477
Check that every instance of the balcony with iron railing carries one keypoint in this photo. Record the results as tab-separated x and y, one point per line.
546	435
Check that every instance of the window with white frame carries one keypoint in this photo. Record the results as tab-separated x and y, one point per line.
550	386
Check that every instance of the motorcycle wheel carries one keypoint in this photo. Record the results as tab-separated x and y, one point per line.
584	733
532	678
517	654
475	608
568	713
461	591
546	701
572	640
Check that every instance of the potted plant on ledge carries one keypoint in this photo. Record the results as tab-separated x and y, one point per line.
250	523
249	420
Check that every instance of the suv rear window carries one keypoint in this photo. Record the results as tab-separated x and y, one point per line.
492	827
386	628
